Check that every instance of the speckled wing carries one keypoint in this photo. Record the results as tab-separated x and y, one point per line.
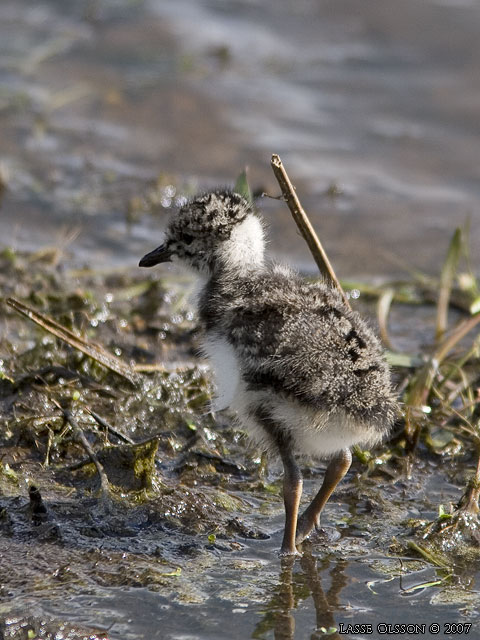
303	341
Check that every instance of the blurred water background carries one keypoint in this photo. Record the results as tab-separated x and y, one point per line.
112	111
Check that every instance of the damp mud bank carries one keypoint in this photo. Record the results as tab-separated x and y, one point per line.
180	537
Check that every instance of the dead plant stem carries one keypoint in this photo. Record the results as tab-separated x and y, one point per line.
82	440
305	226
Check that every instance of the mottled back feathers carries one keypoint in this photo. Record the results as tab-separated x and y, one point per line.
300	339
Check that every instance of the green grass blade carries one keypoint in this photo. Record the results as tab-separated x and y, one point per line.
405	360
447	275
242	187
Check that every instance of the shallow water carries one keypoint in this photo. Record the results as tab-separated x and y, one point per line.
252	594
378	105
287	604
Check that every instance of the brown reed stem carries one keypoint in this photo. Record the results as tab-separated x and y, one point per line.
305	226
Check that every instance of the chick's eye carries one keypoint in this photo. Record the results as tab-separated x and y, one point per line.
186	238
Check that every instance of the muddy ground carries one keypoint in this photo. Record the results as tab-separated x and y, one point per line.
185	493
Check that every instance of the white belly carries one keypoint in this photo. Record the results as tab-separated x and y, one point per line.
313	432
226	370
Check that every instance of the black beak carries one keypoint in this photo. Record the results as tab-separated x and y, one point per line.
160	254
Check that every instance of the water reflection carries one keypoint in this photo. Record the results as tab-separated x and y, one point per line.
295	588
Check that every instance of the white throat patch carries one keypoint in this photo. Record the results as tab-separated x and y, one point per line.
245	247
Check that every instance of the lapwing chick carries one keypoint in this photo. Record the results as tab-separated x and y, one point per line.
303	373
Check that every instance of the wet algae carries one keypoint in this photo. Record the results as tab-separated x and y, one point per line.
107	482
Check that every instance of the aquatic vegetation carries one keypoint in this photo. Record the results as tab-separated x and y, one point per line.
440	389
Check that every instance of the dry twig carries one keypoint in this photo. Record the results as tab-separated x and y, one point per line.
305	226
82	440
92	350
103	423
